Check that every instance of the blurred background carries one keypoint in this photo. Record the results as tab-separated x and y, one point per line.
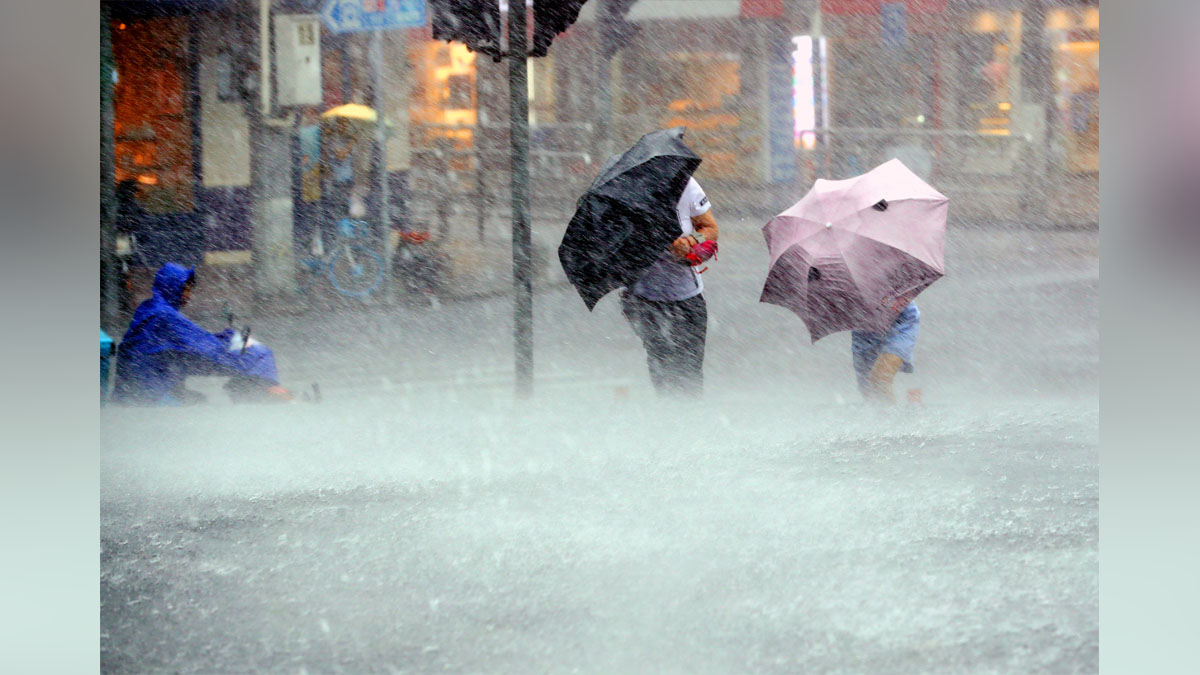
996	102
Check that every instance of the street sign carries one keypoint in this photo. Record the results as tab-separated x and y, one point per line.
350	16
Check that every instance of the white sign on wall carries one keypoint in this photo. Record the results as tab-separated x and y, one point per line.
298	59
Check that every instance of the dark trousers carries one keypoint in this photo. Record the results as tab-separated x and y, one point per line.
673	334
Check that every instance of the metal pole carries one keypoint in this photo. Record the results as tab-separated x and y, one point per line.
108	212
380	151
521	235
271	184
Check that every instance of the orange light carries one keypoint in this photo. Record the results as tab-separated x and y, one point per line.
986	22
121	27
1085	46
1059	19
147	180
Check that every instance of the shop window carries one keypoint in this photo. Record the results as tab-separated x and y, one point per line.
541	92
879	88
701	92
988	53
152	123
443	106
1075	38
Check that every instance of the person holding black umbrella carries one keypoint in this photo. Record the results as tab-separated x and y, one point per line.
642	226
666	307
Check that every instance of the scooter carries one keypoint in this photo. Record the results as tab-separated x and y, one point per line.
250	389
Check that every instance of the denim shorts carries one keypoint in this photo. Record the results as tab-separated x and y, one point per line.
901	340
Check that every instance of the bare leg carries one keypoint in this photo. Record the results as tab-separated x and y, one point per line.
879	386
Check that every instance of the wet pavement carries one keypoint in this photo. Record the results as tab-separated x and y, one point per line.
421	519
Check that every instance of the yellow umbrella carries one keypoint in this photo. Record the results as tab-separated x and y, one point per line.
354	112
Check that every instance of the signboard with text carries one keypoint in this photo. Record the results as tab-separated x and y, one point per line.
350	16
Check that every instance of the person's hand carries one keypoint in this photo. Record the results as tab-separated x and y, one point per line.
683	246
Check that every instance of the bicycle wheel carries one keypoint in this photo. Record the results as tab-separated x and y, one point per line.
356	271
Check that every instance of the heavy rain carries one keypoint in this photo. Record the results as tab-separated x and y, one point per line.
417	447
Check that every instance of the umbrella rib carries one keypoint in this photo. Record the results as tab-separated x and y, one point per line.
806	237
858	287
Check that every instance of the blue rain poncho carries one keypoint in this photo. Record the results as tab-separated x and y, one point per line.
162	347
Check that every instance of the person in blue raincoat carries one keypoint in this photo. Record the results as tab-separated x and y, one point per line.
162	347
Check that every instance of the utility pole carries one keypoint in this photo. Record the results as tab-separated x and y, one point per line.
518	92
108	210
478	26
379	157
271	183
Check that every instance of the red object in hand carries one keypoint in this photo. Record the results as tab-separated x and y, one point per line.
701	252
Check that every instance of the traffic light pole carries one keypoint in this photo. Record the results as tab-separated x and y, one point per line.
521	236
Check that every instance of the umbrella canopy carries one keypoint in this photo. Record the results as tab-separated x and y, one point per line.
853	253
354	119
352	111
627	218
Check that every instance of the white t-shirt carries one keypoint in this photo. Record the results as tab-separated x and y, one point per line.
669	280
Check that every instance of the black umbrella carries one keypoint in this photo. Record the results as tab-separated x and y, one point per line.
627	219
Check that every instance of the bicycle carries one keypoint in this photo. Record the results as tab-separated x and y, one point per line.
354	270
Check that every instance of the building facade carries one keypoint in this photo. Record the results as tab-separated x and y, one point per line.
774	93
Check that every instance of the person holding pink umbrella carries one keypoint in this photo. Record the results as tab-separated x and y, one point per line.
853	255
879	356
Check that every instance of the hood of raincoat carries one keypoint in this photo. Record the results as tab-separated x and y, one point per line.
169	282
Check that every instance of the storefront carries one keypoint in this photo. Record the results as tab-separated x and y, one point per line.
155	130
1075	37
152	112
182	133
675	84
945	77
990	51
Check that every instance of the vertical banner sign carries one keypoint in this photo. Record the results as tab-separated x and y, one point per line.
781	122
892	26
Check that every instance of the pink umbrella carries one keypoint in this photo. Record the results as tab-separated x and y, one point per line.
853	253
